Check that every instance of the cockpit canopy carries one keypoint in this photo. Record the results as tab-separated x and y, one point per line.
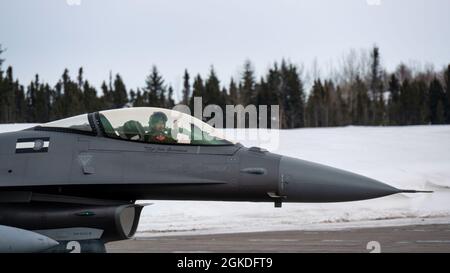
147	124
79	123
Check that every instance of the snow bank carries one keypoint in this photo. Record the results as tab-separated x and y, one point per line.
411	157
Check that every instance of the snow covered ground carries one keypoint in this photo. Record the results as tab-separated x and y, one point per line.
411	157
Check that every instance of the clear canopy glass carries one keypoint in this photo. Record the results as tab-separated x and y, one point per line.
159	125
80	123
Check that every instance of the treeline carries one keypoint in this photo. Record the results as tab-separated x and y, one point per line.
359	92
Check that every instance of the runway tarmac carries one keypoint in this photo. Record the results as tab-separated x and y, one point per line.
418	238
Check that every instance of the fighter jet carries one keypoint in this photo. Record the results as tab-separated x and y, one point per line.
71	185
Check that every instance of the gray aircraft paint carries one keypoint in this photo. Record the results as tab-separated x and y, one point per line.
230	173
72	173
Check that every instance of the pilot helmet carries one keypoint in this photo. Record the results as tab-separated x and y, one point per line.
157	117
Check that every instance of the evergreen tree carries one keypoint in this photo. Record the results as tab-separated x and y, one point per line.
376	88
132	97
212	94
31	100
120	95
57	99
261	90
80	77
1	62
414	102
139	101
186	88
7	97
292	97
12	98
224	99
341	109
332	104
361	116
91	101
270	92
376	84
154	90
233	96
447	91
436	102
247	90
198	90
107	99
394	106
73	96
315	108
20	102
170	102
41	108
440	113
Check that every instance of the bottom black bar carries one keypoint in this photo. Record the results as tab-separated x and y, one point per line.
229	262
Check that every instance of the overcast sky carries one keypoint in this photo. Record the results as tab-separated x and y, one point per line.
127	37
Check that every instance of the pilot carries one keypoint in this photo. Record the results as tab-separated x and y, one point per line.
158	132
133	130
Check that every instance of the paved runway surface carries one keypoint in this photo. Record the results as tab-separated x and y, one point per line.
420	238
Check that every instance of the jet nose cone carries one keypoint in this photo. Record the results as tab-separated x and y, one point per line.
304	181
